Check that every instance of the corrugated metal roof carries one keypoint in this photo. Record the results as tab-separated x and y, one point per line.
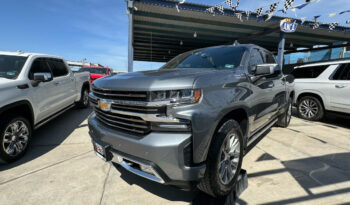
160	32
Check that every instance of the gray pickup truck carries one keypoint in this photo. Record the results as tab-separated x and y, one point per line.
193	120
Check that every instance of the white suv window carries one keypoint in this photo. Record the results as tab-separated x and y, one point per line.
309	72
342	73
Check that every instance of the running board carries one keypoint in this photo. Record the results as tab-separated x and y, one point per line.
260	132
52	117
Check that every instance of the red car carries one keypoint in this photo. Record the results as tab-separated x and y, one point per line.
96	72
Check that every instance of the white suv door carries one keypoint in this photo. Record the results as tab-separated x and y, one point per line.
340	89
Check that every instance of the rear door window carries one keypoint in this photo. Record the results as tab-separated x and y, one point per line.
309	72
342	73
58	67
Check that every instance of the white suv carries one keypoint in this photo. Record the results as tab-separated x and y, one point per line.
322	87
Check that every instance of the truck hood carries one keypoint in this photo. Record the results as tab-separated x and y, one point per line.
165	79
8	83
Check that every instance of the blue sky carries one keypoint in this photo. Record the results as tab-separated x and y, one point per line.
97	29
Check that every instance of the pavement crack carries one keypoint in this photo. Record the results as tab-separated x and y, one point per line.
104	184
38	170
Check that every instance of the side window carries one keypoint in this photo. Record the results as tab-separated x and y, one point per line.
255	59
39	66
309	72
58	67
342	73
269	58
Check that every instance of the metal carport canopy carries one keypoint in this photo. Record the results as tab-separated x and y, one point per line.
157	30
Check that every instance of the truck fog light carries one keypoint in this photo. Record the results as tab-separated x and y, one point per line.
174	126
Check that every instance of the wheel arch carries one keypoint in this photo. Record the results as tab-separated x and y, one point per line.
22	107
301	95
240	115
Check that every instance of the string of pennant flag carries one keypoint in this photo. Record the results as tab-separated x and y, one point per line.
270	9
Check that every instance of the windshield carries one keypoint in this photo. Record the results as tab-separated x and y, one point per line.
216	57
95	70
11	66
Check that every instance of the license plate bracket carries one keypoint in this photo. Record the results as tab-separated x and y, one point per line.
102	151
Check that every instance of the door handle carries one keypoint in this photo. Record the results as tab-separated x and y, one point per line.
271	85
340	86
57	83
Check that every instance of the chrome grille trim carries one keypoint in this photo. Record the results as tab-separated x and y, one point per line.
121	118
119	127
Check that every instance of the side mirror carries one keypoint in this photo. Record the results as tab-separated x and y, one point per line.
264	69
42	77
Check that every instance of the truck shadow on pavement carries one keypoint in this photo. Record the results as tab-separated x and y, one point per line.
51	135
314	173
311	173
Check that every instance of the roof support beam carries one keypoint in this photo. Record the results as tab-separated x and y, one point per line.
281	49
258	34
130	5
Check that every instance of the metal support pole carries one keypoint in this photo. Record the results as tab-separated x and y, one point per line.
281	49
130	4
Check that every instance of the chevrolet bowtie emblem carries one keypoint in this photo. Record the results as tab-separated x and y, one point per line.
104	105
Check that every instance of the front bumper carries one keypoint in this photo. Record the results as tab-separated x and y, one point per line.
161	151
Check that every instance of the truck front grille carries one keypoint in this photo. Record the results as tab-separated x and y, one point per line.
124	123
120	95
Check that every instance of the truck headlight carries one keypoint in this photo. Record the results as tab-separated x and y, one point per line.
177	96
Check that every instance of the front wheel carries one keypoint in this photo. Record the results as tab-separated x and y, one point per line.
15	134
224	160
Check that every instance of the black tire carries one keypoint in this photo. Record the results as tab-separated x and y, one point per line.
316	107
212	183
284	119
4	124
84	101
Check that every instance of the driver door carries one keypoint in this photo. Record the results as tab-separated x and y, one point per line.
44	94
261	99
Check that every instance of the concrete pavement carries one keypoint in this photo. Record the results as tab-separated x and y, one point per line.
307	163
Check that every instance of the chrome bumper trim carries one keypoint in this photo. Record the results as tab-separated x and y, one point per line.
154	176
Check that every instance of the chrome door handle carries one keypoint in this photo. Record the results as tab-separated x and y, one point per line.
340	86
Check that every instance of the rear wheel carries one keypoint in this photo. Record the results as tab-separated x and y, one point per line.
310	108
84	99
224	160
15	134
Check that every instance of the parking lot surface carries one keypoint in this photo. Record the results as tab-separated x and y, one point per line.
307	163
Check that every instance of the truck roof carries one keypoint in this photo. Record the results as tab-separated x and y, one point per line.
26	54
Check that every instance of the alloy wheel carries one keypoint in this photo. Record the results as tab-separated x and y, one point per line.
15	138
308	108
229	158
86	97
